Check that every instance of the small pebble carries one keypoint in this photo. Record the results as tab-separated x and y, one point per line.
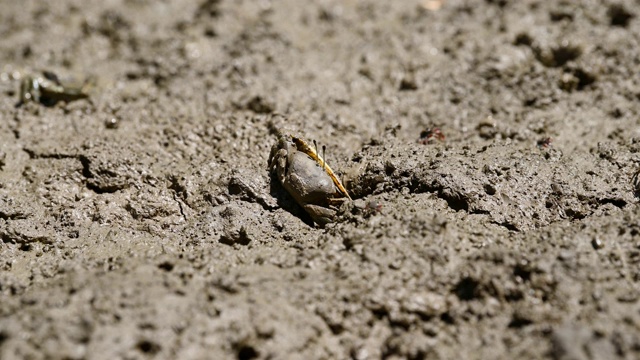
112	123
597	243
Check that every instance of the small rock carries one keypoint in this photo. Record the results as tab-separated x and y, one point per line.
597	243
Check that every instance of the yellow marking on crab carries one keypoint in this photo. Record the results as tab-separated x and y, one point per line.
305	148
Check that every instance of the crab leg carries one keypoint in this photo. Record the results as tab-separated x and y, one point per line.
305	148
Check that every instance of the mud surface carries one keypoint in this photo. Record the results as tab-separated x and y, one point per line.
144	222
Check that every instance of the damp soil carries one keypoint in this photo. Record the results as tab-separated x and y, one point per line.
143	222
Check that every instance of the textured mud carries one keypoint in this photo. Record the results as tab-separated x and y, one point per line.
144	223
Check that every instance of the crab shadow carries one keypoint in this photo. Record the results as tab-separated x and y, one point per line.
286	201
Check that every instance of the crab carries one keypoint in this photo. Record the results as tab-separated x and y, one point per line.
430	133
48	90
307	178
544	143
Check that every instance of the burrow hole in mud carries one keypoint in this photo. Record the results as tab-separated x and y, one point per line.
247	352
454	201
522	272
518	322
619	15
447	318
166	266
466	289
148	347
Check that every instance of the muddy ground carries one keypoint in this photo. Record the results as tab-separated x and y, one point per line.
144	223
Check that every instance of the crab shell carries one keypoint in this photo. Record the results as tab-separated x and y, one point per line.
48	90
307	178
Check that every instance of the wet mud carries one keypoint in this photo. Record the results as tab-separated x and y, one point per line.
143	222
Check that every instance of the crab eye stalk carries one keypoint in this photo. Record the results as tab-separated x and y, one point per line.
324	161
